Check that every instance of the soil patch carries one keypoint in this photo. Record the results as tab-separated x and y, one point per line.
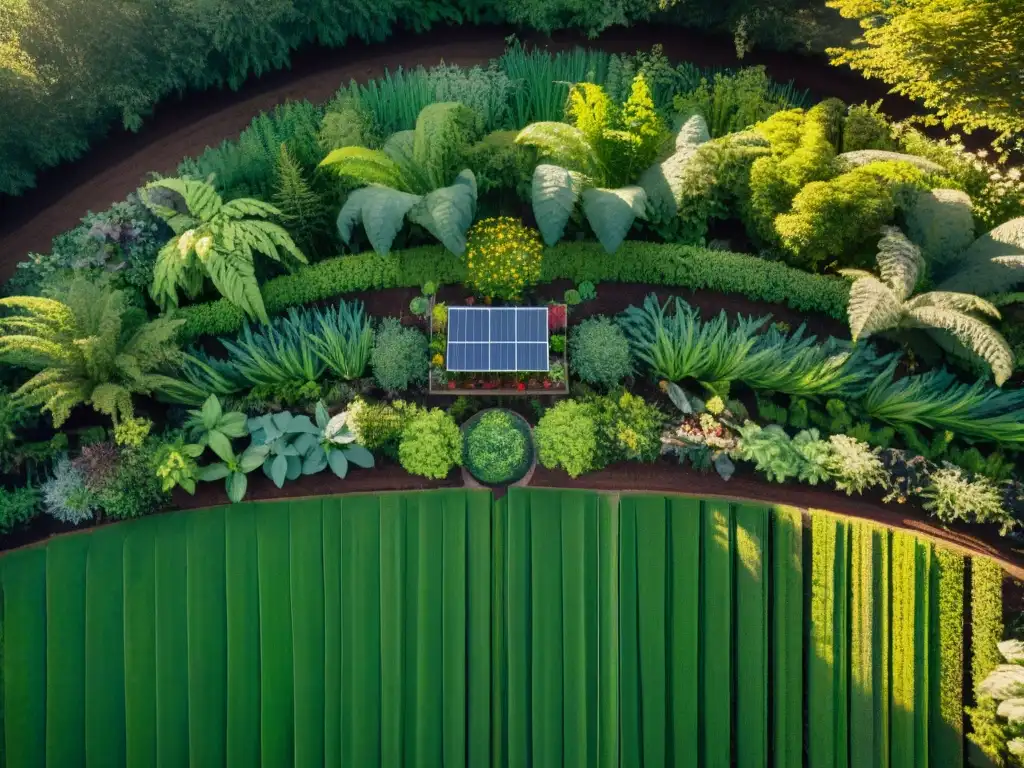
663	477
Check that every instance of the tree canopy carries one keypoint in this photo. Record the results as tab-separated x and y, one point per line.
962	59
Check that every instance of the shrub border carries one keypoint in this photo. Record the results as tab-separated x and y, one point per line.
668	264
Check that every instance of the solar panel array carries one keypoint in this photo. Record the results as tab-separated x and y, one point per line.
500	339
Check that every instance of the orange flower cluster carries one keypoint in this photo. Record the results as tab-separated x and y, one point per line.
503	258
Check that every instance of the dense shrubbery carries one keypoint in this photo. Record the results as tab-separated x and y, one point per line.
431	444
399	357
599	352
497	447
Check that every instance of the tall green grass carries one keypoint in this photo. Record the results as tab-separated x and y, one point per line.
550	627
787	645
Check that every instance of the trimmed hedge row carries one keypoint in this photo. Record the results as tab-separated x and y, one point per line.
635	262
946	708
986	633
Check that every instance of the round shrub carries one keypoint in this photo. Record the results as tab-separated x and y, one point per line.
572	297
497	447
628	428
941	223
378	426
399	356
431	444
503	258
599	352
566	437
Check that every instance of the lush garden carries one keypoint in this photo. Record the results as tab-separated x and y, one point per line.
281	309
547	627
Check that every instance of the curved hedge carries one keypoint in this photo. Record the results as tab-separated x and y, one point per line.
635	262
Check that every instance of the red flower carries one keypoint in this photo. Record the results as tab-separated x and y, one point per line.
451	384
521	386
556	317
547	383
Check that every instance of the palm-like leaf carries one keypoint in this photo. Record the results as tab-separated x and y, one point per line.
555	192
993	263
881	305
564	145
442	131
220	244
611	213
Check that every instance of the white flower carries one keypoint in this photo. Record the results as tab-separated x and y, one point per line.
203	246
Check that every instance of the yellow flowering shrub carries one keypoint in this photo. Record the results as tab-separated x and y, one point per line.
503	258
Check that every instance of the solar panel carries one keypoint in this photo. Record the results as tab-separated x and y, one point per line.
500	339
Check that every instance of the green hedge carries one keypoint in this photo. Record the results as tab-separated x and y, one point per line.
946	709
986	634
635	262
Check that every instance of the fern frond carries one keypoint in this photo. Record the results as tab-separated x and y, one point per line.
856	274
957	302
49	312
873	308
113	400
249	206
55	392
33	352
978	336
235	277
562	144
366	166
899	262
153	343
201	198
267	238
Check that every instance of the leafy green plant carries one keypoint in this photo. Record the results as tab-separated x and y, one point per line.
885	304
217	240
837	220
628	428
854	465
408	178
572	297
801	152
734	101
950	495
780	457
233	470
680	345
938	400
866	127
90	347
65	495
378	426
593	159
280	433
599	352
497	448
399	356
566	437
132	433
587	291
211	426
332	445
175	464
18	507
303	212
431	444
134	489
419	305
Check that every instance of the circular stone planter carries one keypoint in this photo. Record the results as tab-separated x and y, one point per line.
523	473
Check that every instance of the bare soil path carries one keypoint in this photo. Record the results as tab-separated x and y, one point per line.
117	165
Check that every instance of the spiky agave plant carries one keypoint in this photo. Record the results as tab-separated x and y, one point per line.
90	347
407	178
883	303
606	159
217	240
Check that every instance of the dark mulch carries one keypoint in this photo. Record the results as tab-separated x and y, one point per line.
665	477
